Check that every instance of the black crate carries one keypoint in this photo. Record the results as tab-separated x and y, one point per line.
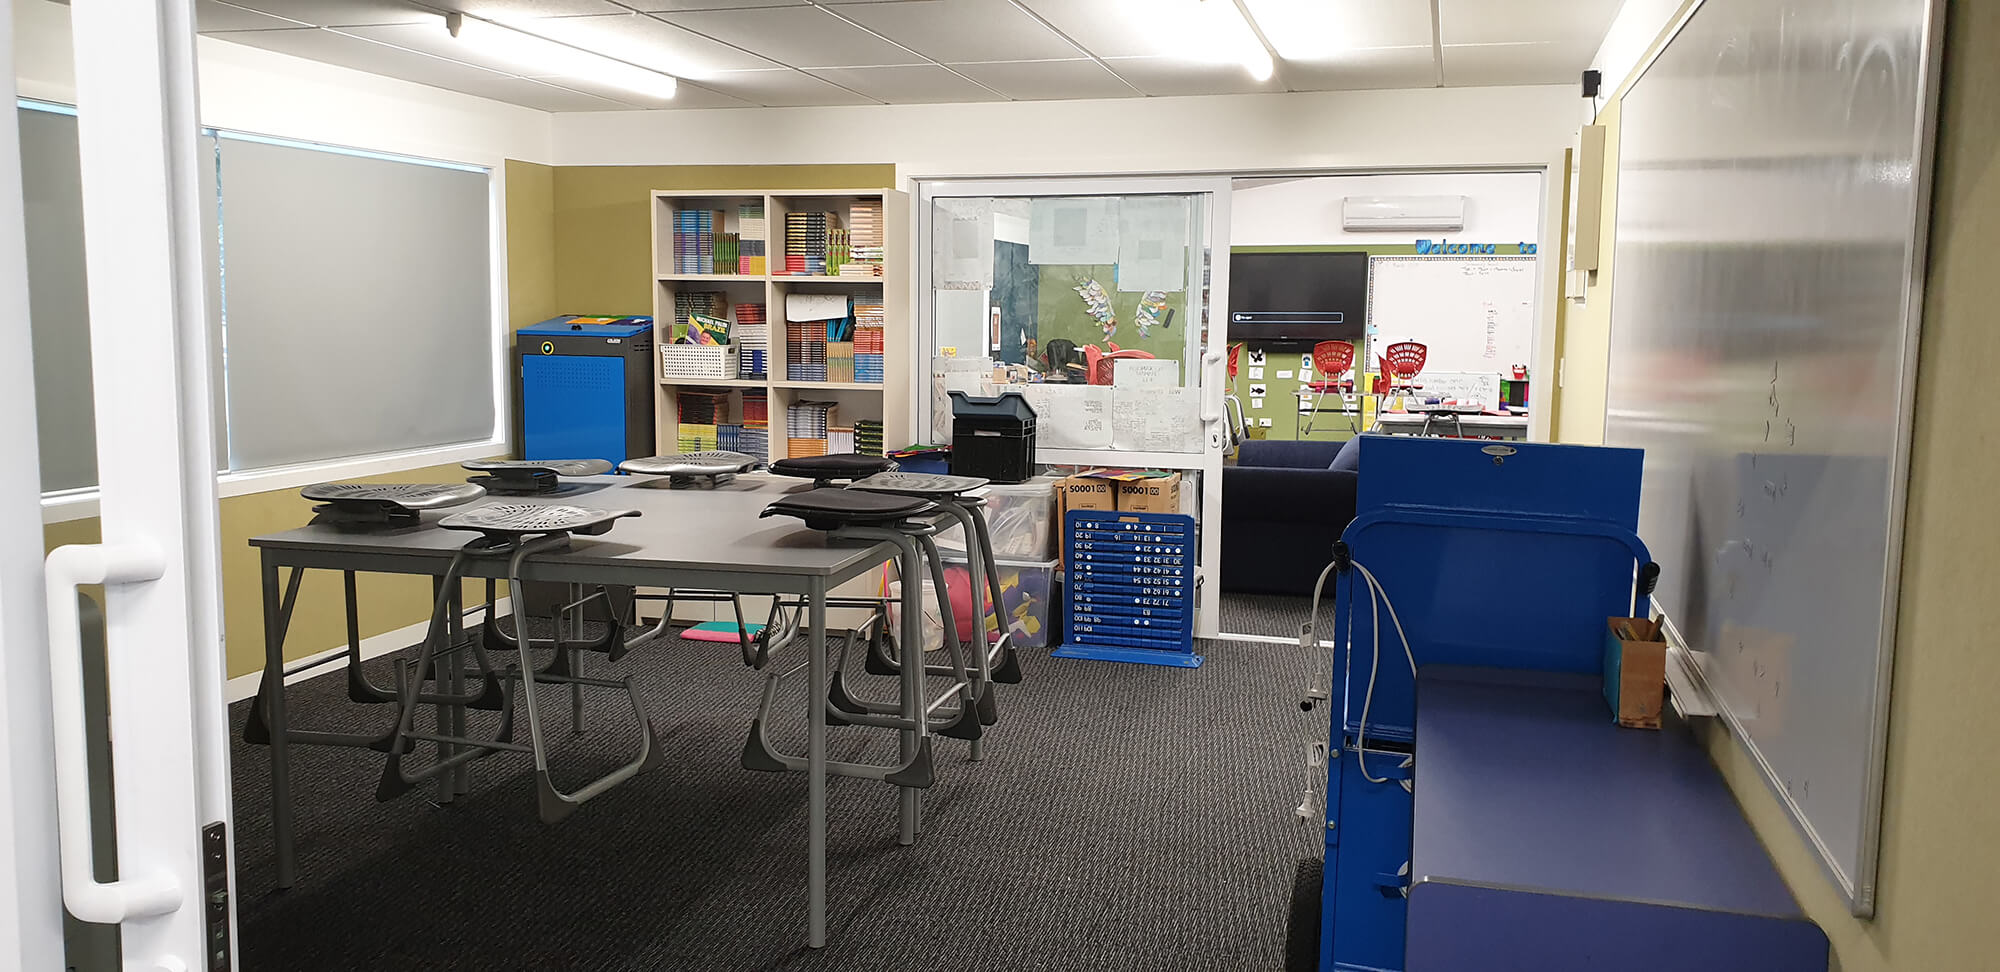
993	438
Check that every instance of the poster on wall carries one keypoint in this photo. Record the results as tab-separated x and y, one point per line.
1073	230
1152	243
962	244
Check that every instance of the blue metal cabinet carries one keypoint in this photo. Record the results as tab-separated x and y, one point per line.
586	388
1367	872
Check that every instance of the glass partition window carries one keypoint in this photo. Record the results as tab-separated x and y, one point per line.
1095	306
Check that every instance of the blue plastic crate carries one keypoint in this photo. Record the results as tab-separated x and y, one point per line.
1130	588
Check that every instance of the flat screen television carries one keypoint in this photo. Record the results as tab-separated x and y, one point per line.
1297	299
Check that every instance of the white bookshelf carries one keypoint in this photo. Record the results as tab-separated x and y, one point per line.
887	402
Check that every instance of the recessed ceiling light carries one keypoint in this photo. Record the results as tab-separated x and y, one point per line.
544	58
1209	31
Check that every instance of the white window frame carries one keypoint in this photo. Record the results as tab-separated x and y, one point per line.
60	506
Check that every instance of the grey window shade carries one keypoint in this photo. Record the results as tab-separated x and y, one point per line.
358	314
58	298
59	321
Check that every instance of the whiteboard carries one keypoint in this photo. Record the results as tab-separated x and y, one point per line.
1772	192
1473	313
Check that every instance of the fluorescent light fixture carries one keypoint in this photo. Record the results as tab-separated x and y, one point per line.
1209	31
540	57
1303	30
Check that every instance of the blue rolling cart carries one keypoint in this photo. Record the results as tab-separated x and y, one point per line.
1131	588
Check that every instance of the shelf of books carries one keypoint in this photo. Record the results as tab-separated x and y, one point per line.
782	320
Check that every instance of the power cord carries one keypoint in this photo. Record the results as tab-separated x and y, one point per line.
1319	686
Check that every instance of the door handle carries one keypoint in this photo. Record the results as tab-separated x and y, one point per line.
1211	392
104	902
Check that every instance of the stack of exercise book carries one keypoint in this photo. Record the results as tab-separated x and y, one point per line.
753	341
751	232
864	239
868	437
806	425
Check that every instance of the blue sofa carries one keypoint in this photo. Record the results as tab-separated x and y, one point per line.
1282	509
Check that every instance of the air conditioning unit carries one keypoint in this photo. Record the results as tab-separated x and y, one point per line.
1393	214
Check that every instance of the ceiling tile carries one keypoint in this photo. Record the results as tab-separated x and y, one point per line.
799	36
1175	76
215	15
535	94
507	11
333	47
1047	80
657	6
1107	28
1377	67
342	13
1478	64
647	42
1317	30
782	88
909	84
961	30
1526	21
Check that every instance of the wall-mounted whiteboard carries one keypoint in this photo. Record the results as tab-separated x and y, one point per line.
1772	191
1473	313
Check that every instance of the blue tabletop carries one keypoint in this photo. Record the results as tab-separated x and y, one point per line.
1523	781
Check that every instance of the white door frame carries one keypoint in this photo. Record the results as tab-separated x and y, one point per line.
1213	383
31	921
137	128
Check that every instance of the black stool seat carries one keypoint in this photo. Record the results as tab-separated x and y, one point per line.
919	484
528	519
519	477
824	470
362	506
830	509
712	463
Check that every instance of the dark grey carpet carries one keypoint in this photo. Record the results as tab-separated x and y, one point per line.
1126	817
1269	614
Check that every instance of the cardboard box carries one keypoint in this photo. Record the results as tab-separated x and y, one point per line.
1086	491
1635	672
1156	494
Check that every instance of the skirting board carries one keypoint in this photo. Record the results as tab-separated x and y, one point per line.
244	686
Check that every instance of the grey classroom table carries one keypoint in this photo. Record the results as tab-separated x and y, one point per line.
698	538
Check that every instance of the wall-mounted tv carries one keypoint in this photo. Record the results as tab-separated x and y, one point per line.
1297	299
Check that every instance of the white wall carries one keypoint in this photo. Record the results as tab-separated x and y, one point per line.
1409	128
252	90
1501	207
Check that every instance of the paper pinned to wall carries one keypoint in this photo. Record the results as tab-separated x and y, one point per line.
1073	230
962	244
1152	243
1156	419
815	307
1070	416
1145	373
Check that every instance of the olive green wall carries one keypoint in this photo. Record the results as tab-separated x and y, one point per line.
603	230
1281	405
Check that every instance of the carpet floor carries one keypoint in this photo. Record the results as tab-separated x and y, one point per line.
1125	817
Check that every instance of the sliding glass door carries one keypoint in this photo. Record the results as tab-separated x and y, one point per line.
1091	298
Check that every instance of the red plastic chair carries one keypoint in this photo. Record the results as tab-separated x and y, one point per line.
1331	359
1402	362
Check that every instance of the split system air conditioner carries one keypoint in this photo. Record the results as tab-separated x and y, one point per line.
1390	214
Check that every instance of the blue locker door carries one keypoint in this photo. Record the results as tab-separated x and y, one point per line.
573	407
1364	884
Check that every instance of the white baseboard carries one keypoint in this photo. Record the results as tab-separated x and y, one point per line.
244	686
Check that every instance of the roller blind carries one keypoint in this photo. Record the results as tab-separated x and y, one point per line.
357	303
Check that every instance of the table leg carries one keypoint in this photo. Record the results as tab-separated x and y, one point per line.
441	668
575	660
911	656
274	717
461	775
816	679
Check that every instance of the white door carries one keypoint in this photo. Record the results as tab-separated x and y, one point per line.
1121	269
158	563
